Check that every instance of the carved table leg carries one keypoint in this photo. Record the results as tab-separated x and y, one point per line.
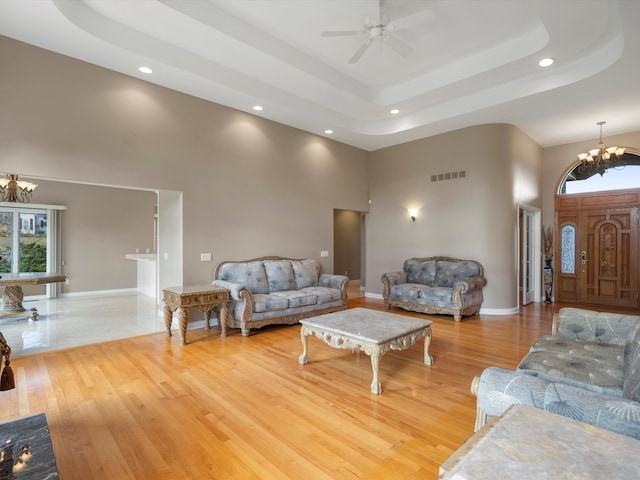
428	359
304	358
207	317
224	313
168	317
12	298
376	387
182	318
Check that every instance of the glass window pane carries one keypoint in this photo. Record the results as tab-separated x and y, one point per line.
33	242
6	241
568	253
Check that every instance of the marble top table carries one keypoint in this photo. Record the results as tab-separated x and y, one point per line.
530	443
373	332
13	294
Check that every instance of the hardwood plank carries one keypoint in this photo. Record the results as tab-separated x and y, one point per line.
244	408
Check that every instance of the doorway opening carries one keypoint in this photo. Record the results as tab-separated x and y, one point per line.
530	261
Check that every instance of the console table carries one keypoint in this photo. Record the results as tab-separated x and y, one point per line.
13	294
200	297
530	443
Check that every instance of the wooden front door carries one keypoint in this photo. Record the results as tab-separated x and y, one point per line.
608	257
597	247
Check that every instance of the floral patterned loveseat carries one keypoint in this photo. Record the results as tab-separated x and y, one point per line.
436	285
587	370
278	290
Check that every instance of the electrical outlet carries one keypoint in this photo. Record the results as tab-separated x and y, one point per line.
324	253
205	257
66	281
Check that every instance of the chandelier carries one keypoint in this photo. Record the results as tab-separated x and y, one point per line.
13	189
600	159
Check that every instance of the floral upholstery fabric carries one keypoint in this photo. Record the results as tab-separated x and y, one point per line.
277	290
268	303
297	298
600	327
500	388
590	372
306	272
588	364
280	275
631	387
420	272
436	285
250	275
449	273
323	295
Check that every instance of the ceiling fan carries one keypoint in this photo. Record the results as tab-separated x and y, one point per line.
380	28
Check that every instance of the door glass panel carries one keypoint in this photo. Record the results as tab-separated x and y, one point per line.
6	243
568	252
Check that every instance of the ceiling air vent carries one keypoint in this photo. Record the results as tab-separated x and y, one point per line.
460	174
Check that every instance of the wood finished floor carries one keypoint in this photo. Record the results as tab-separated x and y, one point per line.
243	408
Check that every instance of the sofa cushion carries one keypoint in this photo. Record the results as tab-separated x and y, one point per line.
616	415
251	275
269	303
422	294
279	275
406	292
601	327
631	387
420	272
448	273
297	298
306	272
576	362
324	294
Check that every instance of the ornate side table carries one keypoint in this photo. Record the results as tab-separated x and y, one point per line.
199	297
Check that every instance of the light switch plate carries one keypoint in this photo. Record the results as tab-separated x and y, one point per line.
324	253
205	257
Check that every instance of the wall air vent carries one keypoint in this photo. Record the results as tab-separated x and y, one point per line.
459	175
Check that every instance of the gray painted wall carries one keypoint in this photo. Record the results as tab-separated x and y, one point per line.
473	218
254	187
251	187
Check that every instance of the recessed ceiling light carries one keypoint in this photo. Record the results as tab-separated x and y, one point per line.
257	108
545	62
395	111
145	70
328	132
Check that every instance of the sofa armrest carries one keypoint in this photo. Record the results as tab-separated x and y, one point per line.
593	326
498	388
394	278
469	284
333	281
234	288
615	414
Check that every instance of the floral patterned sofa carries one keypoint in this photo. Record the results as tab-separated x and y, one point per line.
436	285
588	370
278	290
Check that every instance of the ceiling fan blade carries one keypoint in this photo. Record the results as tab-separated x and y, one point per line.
419	18
340	33
363	48
398	46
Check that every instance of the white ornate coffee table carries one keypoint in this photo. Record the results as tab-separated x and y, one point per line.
372	331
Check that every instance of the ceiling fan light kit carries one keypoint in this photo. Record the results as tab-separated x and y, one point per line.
381	30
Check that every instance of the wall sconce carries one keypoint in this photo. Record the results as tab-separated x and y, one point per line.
413	213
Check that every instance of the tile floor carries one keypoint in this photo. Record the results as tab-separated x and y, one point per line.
72	321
